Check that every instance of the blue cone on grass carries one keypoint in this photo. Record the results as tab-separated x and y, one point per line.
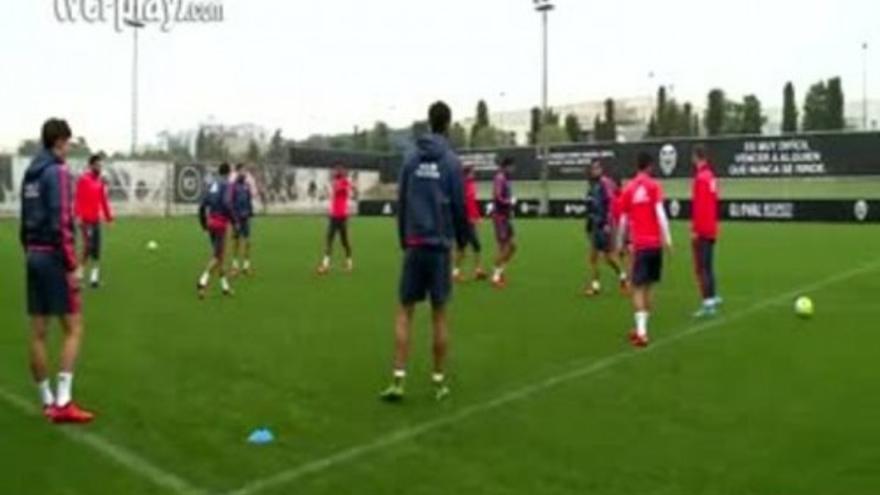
261	436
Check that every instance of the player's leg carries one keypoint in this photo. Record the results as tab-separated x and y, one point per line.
65	303
94	252
460	254
246	248
329	238
593	286
413	288
346	245
477	247
647	268
441	291
236	249
702	257
709	260
39	362
611	260
219	259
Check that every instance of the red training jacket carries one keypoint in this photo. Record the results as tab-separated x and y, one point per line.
470	200
704	220
91	203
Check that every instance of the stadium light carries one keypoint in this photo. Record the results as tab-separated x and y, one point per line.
865	86
135	26
544	7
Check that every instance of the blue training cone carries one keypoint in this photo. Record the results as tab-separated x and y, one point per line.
261	436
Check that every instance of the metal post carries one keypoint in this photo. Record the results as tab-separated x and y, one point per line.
544	7
865	86
135	26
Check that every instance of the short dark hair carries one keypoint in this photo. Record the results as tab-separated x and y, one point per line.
223	169
645	160
700	152
53	131
95	159
239	167
439	117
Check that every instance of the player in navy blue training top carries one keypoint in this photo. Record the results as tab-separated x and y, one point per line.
215	215
243	207
431	215
47	236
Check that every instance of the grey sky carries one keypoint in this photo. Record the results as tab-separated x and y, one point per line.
327	65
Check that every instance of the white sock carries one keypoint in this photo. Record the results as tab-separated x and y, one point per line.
247	264
709	302
596	285
499	271
235	263
204	279
399	376
64	391
438	378
224	284
325	262
349	263
96	275
623	275
46	395
642	323
456	272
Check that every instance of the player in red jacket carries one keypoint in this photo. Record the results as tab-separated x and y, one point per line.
92	208
472	208
341	193
704	231
643	213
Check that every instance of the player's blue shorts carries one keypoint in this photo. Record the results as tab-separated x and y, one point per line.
426	272
242	229
504	233
600	238
218	243
91	233
647	267
50	289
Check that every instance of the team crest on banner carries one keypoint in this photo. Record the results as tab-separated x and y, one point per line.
668	159
861	210
674	208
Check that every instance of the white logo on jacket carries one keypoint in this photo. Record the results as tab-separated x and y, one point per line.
428	170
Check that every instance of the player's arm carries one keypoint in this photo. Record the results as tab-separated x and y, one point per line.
58	189
402	184
105	203
203	212
621	232
663	220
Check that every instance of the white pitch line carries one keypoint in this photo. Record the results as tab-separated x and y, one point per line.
120	455
527	391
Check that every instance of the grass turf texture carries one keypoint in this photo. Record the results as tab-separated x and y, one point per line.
766	403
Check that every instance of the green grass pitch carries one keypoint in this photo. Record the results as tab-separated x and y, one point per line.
547	396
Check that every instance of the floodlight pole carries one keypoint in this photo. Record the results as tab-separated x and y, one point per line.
135	26
865	86
544	7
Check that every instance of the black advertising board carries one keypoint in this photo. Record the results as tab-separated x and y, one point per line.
745	210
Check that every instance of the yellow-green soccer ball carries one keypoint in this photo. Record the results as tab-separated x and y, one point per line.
803	307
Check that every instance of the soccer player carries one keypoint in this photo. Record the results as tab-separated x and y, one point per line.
342	190
215	215
473	239
430	215
92	207
502	211
47	236
243	209
644	215
600	227
704	231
